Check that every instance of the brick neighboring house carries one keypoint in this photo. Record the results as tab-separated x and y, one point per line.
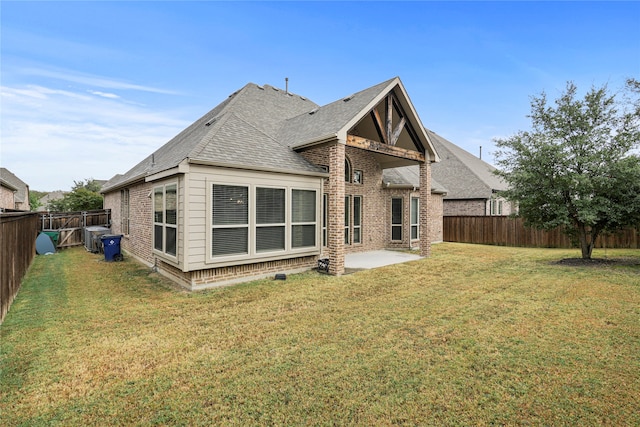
14	193
269	182
472	188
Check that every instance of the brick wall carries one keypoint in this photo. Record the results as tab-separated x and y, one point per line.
139	240
7	200
464	207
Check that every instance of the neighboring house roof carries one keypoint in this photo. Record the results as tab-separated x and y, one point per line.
53	195
11	181
409	176
464	175
258	128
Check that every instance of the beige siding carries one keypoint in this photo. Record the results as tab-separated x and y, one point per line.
198	207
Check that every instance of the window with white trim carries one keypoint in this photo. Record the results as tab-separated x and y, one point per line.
230	212
165	218
396	219
496	207
270	219
252	221
303	218
415	218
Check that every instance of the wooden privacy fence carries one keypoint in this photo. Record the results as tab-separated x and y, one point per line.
506	231
18	232
70	225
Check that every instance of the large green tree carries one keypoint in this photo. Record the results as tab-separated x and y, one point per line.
84	196
578	167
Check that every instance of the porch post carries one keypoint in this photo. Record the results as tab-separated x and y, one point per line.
335	191
425	207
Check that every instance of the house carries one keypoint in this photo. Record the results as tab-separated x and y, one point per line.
472	187
270	182
14	193
50	197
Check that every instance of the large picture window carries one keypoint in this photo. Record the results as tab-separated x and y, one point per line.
165	218
230	234
396	219
250	221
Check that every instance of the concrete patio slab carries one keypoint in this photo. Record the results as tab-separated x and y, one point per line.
374	259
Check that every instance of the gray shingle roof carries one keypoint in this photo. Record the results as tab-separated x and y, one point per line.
464	175
409	176
253	114
257	127
326	121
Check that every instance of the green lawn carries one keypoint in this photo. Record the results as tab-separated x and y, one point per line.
475	335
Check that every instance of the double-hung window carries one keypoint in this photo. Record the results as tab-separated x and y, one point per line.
165	218
415	218
303	218
230	234
396	219
270	219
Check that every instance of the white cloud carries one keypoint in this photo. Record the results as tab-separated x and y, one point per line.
104	94
51	137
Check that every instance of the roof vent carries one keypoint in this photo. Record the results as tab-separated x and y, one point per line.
260	87
315	110
211	121
303	98
348	98
275	88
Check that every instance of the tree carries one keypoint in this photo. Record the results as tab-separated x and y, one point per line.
576	168
84	196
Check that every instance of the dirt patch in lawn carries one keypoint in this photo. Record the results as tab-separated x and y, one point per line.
599	262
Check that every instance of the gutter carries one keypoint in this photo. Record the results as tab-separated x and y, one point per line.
257	168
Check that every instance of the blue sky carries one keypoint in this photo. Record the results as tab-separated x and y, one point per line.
88	89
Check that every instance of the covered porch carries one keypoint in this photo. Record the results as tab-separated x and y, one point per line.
375	259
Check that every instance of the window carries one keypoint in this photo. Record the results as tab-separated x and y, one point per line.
347	170
396	219
325	218
496	207
270	221
124	211
303	218
230	212
357	177
357	219
415	218
347	216
165	218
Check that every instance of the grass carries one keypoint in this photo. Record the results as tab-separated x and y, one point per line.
475	335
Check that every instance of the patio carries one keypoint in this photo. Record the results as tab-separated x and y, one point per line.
374	259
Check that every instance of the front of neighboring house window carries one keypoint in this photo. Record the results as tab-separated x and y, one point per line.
415	218
165	218
496	207
357	219
124	211
396	219
250	220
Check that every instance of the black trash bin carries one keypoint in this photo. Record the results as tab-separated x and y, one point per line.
111	245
